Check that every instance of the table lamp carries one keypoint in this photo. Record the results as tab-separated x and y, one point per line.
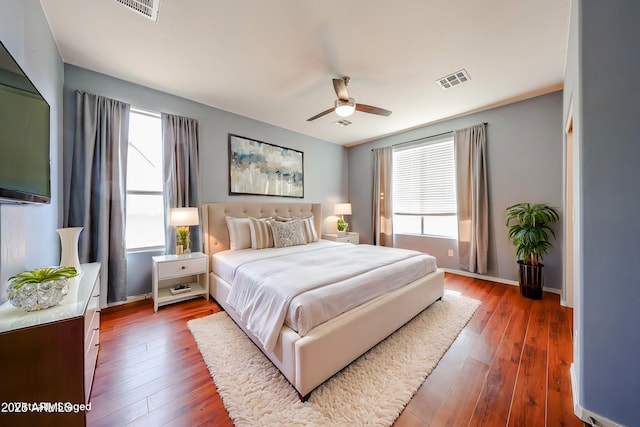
182	218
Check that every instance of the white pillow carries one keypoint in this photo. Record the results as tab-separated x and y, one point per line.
239	233
261	234
288	233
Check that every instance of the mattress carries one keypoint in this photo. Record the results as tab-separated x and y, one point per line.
326	278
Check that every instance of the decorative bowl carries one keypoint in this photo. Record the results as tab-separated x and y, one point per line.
37	296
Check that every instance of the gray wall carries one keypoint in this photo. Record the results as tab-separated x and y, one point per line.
604	43
325	163
28	236
524	161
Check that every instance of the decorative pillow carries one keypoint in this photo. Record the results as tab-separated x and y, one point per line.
239	233
288	233
261	234
309	227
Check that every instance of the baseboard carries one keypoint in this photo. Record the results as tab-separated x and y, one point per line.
496	279
130	299
585	415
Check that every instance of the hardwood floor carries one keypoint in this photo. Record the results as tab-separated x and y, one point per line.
509	366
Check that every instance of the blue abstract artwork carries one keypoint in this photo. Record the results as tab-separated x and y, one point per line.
260	168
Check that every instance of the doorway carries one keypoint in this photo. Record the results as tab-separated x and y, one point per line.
567	294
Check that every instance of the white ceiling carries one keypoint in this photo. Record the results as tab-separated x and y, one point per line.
273	60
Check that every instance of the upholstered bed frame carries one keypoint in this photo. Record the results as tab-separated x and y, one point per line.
310	360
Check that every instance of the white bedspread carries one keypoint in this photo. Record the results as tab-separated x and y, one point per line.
307	285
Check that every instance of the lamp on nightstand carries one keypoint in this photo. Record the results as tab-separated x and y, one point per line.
182	218
342	209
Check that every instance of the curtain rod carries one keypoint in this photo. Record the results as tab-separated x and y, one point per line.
424	137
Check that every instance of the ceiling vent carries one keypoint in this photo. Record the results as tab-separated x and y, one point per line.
454	79
342	123
148	8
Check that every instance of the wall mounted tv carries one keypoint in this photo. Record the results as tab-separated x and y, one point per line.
24	137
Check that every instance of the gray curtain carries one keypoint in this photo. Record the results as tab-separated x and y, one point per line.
97	189
471	188
382	209
181	173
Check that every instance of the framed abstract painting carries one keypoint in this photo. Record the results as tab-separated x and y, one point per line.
259	168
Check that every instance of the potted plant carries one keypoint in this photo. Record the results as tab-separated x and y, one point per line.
40	288
182	240
343	226
530	231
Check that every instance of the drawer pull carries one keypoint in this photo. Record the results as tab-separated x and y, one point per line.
98	345
96	329
183	267
96	296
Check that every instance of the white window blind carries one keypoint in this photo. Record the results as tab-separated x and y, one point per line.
425	178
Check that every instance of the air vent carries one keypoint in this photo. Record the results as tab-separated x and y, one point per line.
454	79
342	123
148	8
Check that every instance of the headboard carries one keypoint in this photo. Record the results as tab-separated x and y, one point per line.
216	235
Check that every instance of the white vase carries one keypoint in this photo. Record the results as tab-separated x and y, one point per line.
69	242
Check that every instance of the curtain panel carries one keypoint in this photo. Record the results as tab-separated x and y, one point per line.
97	188
181	173
382	221
472	194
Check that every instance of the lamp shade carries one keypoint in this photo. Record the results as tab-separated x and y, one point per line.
342	209
180	217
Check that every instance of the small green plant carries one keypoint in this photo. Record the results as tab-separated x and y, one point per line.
342	225
529	229
182	236
40	275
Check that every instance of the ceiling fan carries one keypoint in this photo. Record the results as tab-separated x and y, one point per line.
345	106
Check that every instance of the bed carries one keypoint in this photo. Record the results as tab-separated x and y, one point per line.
312	351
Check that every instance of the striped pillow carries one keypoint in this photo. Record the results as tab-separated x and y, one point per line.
261	234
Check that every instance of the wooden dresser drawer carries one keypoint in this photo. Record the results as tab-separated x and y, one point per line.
182	268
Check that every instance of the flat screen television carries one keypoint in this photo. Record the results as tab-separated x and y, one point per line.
24	137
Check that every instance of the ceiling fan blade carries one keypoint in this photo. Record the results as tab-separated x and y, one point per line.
324	113
372	110
340	87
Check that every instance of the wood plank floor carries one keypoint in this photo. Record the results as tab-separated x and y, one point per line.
509	366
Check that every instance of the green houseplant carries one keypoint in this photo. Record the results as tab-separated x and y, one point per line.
40	288
182	240
530	231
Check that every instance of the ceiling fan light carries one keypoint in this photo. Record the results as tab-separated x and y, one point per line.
345	108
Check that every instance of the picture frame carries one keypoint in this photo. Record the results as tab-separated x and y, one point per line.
260	168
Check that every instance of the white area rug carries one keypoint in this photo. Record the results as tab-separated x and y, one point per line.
372	391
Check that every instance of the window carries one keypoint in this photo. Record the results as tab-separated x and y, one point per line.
145	203
424	189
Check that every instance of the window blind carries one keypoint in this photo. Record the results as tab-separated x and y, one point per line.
425	178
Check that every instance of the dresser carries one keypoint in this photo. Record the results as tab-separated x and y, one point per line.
48	357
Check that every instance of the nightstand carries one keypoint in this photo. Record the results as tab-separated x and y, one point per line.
171	270
345	238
